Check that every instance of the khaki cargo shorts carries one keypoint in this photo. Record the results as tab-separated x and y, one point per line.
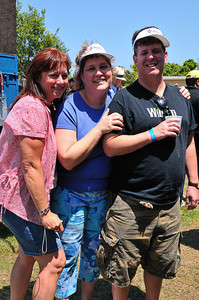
133	235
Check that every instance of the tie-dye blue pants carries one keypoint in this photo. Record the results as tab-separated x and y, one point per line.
83	215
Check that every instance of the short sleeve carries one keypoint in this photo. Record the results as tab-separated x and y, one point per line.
29	118
66	117
117	104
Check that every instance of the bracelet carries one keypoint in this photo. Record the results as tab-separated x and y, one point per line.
44	211
193	184
152	135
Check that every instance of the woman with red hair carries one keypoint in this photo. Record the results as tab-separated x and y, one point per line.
27	162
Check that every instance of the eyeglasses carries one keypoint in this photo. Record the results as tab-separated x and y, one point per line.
162	104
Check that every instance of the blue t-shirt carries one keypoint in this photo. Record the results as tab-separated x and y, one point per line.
91	174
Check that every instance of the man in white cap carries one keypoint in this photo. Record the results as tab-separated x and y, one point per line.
149	158
117	78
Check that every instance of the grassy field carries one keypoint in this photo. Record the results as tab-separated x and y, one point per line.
184	287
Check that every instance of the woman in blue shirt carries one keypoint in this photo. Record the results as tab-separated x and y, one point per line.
80	198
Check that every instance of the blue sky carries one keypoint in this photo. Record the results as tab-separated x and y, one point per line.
113	22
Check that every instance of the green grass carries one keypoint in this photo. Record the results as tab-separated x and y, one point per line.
189	217
184	287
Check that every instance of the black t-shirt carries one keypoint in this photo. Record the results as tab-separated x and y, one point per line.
194	92
153	173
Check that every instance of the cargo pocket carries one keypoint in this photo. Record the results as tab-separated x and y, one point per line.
105	253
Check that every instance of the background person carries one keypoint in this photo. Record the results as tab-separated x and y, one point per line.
192	82
117	78
80	198
27	161
72	85
149	156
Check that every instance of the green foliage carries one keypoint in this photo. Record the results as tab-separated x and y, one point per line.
32	36
177	70
130	76
170	69
188	66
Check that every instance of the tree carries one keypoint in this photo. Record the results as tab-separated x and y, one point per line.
170	69
32	36
188	66
177	70
130	76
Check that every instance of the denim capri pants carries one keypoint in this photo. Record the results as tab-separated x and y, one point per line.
83	214
34	239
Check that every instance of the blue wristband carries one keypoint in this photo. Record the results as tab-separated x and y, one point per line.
152	135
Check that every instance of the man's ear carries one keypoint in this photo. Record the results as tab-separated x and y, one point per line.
135	59
165	56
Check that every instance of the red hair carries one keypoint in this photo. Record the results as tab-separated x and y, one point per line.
46	60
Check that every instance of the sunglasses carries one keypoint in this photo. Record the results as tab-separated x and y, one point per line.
162	105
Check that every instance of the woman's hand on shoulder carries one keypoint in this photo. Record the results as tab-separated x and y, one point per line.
110	122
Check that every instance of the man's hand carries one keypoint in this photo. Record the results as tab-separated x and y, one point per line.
168	128
185	92
192	197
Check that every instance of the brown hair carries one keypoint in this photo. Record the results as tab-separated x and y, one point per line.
46	60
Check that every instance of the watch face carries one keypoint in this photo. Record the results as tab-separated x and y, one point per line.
46	211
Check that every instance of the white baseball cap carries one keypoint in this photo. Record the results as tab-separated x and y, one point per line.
152	32
119	73
95	49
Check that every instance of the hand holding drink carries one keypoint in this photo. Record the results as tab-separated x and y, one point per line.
177	119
